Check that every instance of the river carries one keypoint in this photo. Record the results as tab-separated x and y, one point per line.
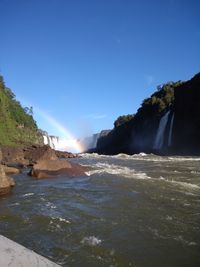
141	211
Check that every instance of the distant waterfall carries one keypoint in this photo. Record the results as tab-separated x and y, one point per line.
161	132
170	131
45	140
52	141
61	144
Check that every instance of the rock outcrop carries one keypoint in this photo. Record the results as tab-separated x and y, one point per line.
35	153
13	155
52	168
19	157
10	170
6	183
65	155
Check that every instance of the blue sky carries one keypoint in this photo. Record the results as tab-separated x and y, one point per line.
84	63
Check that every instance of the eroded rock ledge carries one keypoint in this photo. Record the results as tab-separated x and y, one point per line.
44	161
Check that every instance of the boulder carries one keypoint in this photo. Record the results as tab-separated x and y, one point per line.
5	182
12	154
65	155
10	170
36	153
52	168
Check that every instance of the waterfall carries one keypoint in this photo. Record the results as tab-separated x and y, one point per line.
170	131
57	143
161	132
52	141
45	140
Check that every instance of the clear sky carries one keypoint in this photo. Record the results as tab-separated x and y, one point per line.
85	62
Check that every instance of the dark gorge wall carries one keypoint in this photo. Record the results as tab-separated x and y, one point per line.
186	130
167	123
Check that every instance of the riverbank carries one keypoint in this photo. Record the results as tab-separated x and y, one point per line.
43	161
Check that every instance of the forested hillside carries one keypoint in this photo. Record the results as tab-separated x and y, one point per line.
17	126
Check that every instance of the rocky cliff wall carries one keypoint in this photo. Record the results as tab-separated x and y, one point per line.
176	108
186	130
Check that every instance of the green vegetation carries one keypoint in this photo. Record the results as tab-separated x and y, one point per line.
123	119
152	106
17	126
159	101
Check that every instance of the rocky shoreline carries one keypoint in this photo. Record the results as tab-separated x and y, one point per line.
44	163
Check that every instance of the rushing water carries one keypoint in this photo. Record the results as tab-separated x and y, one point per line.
140	210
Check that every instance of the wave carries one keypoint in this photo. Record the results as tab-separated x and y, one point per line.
118	170
120	156
141	156
122	171
187	185
179	183
28	194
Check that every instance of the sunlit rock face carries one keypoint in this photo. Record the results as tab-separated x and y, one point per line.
6	182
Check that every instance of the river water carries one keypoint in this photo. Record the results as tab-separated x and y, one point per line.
141	210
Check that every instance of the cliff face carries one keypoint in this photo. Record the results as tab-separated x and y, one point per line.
186	130
167	122
115	141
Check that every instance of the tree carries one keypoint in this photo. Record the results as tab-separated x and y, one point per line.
123	119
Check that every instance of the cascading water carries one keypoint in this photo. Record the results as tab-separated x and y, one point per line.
161	132
45	139
170	131
52	141
61	144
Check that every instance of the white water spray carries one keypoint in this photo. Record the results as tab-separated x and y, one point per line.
170	131
61	144
161	132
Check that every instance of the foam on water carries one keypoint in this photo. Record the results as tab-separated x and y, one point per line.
50	205
126	172
28	194
91	241
141	156
60	219
118	170
187	185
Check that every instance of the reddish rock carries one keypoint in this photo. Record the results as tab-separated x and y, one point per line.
51	168
12	155
65	155
5	182
35	153
10	170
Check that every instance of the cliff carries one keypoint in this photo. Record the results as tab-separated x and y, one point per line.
186	132
166	123
17	126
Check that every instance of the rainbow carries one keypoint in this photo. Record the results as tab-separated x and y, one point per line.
69	140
